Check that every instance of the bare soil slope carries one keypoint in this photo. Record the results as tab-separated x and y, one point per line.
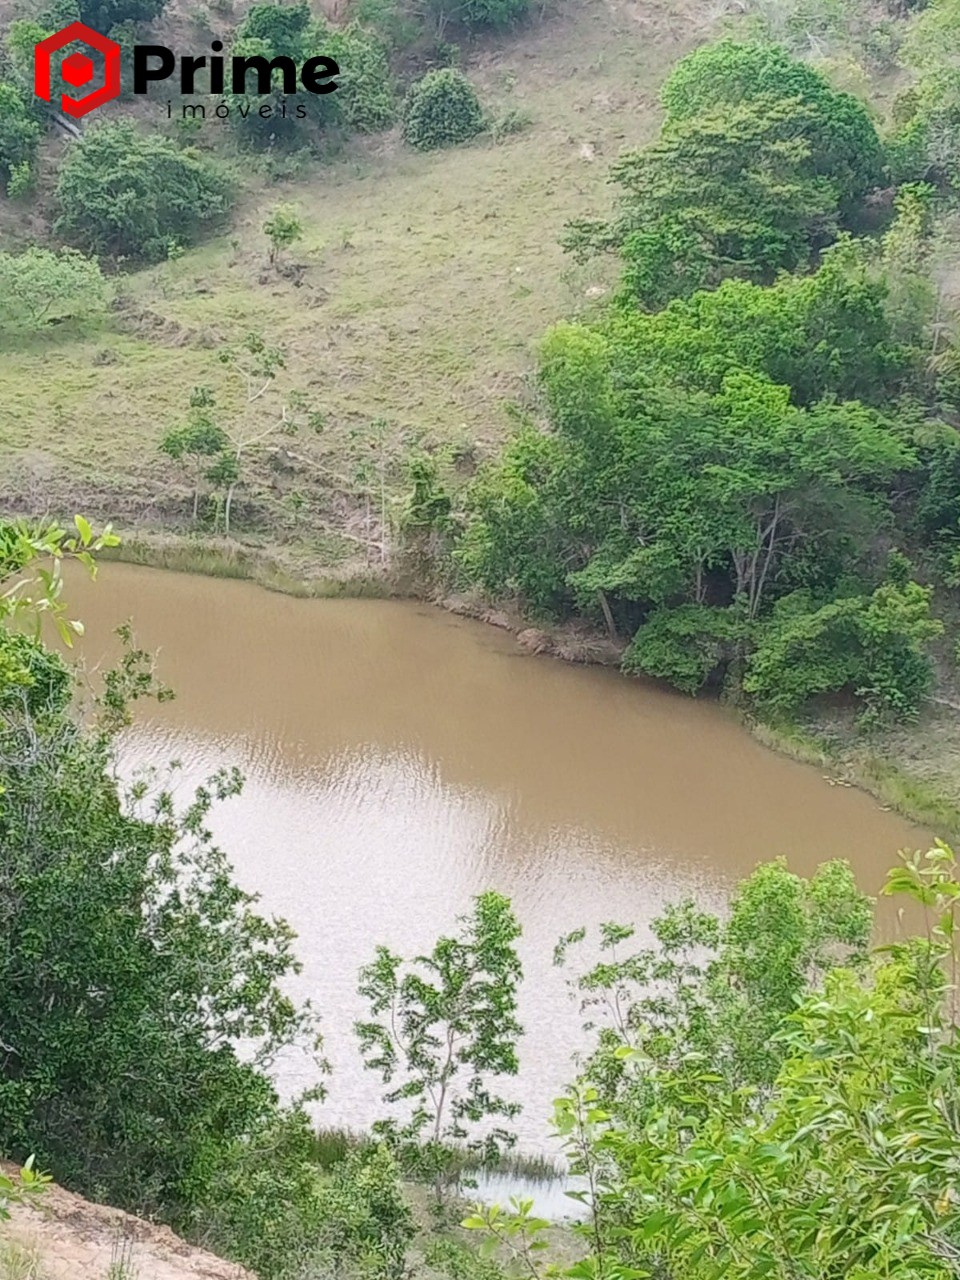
64	1237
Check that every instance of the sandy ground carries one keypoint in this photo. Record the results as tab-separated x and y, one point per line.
64	1237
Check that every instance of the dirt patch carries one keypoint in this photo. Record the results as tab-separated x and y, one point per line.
73	1239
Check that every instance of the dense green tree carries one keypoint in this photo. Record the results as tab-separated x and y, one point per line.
121	1006
828	333
758	165
843	140
131	965
924	145
40	285
721	479
873	645
128	194
659	490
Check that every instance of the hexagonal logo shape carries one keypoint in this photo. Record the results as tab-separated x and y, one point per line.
77	69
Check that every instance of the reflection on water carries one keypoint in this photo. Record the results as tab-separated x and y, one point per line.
400	760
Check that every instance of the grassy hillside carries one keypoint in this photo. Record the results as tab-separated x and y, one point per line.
427	281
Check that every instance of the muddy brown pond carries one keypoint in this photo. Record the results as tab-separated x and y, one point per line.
399	760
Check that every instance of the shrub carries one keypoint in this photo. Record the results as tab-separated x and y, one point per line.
365	99
20	134
103	15
875	646
492	13
133	195
441	110
39	284
685	645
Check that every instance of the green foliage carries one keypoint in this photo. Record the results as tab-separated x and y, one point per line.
20	135
272	1208
132	195
440	1027
148	962
758	165
515	540
31	580
366	1218
685	646
363	100
20	1187
824	334
872	645
31	676
477	14
441	110
104	15
685	495
716	990
827	1150
39	285
924	145
282	228
196	442
401	21
842	138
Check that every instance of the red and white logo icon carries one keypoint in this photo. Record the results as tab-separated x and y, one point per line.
77	69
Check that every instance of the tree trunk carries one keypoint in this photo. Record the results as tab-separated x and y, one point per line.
226	510
607	615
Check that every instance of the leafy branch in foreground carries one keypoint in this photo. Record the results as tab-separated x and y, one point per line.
31	560
842	1163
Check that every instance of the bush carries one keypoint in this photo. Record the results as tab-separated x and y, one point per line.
148	961
274	1209
441	110
20	135
874	646
492	13
133	195
364	99
39	284
103	15
685	645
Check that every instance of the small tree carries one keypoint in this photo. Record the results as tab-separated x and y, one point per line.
282	228
440	1026
39	284
196	441
441	110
